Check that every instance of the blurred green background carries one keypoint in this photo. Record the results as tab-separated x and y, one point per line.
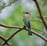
13	15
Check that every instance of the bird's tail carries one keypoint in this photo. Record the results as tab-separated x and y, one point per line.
29	32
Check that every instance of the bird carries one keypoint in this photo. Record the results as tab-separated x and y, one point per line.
26	20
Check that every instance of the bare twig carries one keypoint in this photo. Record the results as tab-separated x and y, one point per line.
1	37
4	39
33	20
8	26
18	30
41	16
39	35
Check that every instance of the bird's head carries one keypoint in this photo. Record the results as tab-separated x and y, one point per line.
27	13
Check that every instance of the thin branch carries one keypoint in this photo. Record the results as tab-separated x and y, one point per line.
17	27
6	43
4	39
18	30
8	26
1	37
36	20
41	16
39	35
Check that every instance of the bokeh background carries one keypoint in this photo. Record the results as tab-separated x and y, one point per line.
13	15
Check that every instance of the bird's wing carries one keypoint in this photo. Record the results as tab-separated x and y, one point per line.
25	21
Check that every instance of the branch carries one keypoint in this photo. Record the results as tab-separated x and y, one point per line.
17	27
33	20
1	37
8	26
39	35
4	39
18	30
41	16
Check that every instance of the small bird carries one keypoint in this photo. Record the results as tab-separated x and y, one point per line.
26	21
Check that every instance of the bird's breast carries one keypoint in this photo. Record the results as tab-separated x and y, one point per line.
27	17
